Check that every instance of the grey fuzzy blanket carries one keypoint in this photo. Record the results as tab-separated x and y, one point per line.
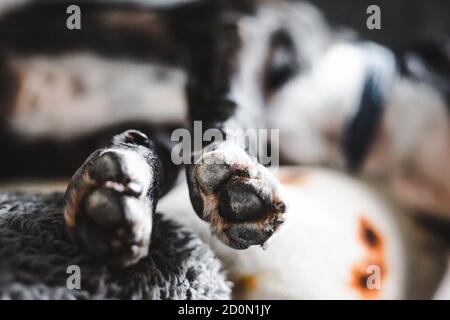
35	252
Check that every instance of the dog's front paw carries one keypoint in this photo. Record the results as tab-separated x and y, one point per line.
110	201
240	198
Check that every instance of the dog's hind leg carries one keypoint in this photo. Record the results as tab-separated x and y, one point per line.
111	198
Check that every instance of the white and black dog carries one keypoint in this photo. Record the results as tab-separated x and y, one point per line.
231	65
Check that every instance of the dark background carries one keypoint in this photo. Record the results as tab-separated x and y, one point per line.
402	21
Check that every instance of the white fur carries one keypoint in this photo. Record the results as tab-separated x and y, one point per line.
318	103
245	90
303	21
135	167
412	146
309	32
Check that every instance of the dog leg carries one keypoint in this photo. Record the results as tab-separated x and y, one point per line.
110	200
229	188
239	197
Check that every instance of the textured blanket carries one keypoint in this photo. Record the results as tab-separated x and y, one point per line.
38	260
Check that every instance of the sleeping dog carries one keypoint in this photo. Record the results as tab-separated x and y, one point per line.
232	65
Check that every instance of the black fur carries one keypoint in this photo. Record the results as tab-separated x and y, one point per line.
277	72
362	128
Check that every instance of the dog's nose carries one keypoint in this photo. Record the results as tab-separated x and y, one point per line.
239	202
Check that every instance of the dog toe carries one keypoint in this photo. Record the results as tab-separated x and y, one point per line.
238	201
244	236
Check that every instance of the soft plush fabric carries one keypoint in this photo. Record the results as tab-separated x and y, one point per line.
35	252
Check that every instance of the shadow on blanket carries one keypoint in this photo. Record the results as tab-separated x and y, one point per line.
35	252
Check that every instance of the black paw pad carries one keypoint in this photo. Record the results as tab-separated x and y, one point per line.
104	206
240	202
243	236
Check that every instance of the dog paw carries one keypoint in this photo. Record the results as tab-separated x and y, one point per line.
110	201
240	198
